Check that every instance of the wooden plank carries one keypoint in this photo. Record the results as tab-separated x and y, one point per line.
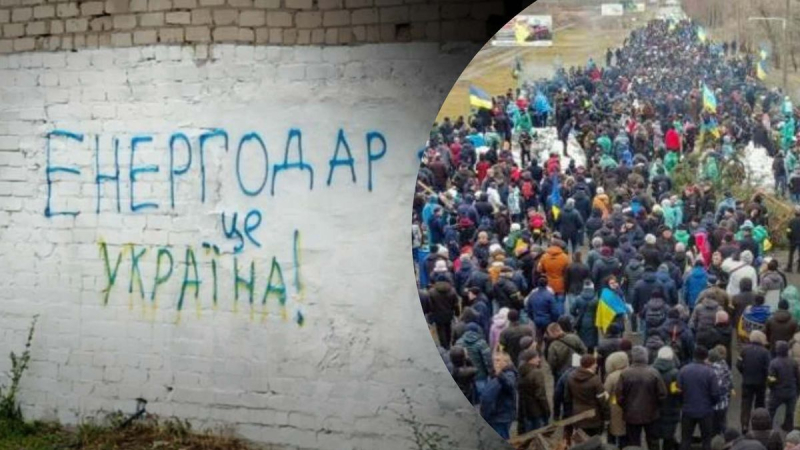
525	438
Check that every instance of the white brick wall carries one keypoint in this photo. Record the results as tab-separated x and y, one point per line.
334	382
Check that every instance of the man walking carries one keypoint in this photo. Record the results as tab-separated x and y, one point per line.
753	364
784	384
640	392
700	390
793	235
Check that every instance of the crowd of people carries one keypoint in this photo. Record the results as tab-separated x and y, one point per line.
634	296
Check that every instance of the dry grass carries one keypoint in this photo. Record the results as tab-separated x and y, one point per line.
147	434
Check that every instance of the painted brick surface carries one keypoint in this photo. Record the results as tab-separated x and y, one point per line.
172	169
66	25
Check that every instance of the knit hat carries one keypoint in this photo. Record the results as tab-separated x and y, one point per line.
747	225
588	361
650	239
639	355
625	345
515	227
722	317
587	284
758	336
793	437
666	353
495	248
606	251
442	251
600	190
440	266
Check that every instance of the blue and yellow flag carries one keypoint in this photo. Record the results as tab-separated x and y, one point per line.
701	35
479	98
709	100
555	198
608	308
761	74
763	54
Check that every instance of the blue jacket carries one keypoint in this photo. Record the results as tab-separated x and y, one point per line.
499	398
700	390
542	307
696	282
668	285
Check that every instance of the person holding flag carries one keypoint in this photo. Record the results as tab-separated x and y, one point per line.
478	98
612	306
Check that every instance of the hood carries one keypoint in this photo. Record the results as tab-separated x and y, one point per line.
791	294
471	337
466	266
587	293
698	273
634	264
582	375
616	361
611	260
555	250
664	365
649	277
709	303
782	316
597	213
442	286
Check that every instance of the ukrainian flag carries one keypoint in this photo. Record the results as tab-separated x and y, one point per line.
701	35
761	74
555	198
608	308
479	98
709	100
763	54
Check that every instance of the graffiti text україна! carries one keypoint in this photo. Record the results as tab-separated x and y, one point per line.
191	154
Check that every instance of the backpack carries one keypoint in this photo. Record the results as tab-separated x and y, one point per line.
653	344
527	190
655	317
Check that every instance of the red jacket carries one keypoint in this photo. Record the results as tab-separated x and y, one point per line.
672	140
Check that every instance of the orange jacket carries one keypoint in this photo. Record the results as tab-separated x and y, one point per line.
553	265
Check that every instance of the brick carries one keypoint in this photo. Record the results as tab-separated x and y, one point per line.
482	11
226	34
80	41
331	36
289	36
455	11
303	37
138	6
433	31
36	28
159	5
92	40
345	35
252	18
225	16
5	17
121	39
201	16
124	22
353	4
388	33
388	2
152	19
24	44
360	33
6	46
144	37
246	35
275	36
185	4
291	72
373	33
198	34
241	3
170	35
44	11
101	24
179	17
267	4
299	4
394	14
117	6
92	8
424	13
279	19
318	36
21	14
56	27
66	43
308	19
365	16
262	35
330	4
212	2
321	72
336	18
13	30
77	25
67	10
